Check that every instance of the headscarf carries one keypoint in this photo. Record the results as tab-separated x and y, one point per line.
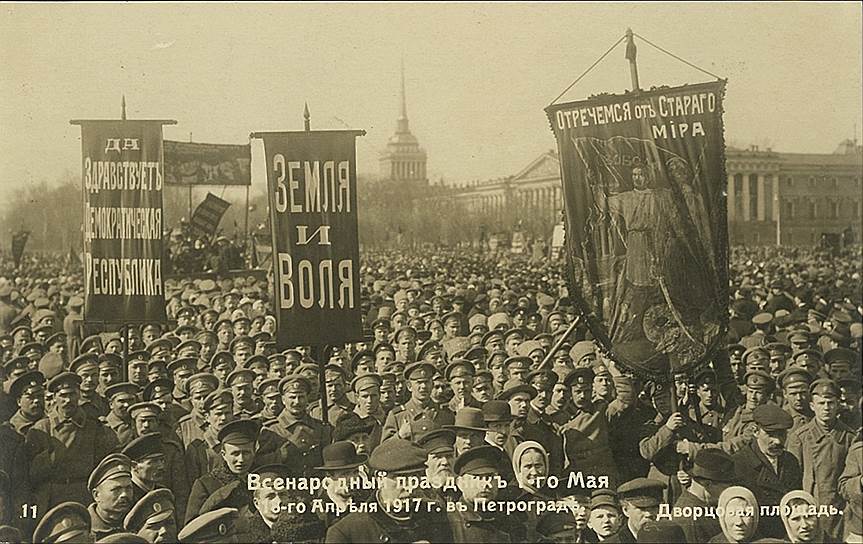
738	492
518	453
785	511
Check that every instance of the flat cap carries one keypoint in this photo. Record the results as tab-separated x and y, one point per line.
240	431
398	456
64	380
213	526
115	465
642	492
66	522
604	497
825	387
154	507
481	461
772	418
32	381
438	440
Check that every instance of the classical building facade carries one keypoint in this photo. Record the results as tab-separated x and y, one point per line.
773	197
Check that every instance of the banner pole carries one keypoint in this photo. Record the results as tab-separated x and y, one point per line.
631	53
560	341
246	224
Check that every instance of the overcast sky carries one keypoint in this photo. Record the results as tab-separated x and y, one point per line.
478	75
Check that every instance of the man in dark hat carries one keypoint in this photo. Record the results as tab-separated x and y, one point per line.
440	452
478	474
153	517
639	500
275	516
712	472
397	518
768	470
709	402
849	401
226	485
65	446
111	486
821	446
470	429
344	468
419	414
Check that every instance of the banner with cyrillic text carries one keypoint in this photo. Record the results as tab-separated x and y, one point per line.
312	182
192	163
207	216
646	230
123	224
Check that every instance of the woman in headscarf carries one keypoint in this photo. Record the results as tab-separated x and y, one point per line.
529	463
797	509
739	519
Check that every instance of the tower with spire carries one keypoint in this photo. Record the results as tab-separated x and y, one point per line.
403	159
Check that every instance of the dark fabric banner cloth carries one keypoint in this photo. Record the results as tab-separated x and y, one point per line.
122	162
646	230
190	163
208	215
19	241
312	182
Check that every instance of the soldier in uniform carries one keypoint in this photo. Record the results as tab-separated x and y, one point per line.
87	367
708	399
191	426
65	446
460	375
712	472
225	486
537	426
295	424
110	366
28	391
66	522
418	415
216	527
271	400
821	446
759	388
367	393
181	370
153	517
111	486
337	399
477	470
396	519
121	396
768	470
639	501
795	383
202	453
240	382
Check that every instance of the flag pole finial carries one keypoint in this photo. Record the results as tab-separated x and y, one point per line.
123	108
631	54
307	118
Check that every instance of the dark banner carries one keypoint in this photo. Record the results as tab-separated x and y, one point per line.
208	215
19	241
312	187
646	230
188	163
123	221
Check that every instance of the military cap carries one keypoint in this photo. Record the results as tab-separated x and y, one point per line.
202	381
762	318
642	492
63	381
341	455
115	465
156	388
31	381
92	342
739	348
143	447
425	349
240	431
825	387
398	456
755	349
384	346
518	361
32	346
459	368
183	363
772	418
486	338
579	377
468	418
799	337
404	330
219	397
552	523
55	338
438	440
778	348
144	408
223	323
269	387
294	383
604	497
708	376
159	344
157	364
66	522
205	335
120	388
852	383
221	357
837	355
240	376
366	381
544	377
581	349
496	411
814	353
193	345
262	336
20	362
419	371
714	464
758	379
481	460
333	371
186	311
526	348
498	320
513	387
381	323
241	340
210	527
793	375
110	360
476	353
476	320
360	355
47	329
26	328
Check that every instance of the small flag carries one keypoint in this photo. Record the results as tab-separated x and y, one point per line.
19	240
208	215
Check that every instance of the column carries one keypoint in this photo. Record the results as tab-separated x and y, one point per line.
777	202
746	206
760	197
730	198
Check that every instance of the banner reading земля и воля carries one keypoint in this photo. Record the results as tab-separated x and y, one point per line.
646	233
123	223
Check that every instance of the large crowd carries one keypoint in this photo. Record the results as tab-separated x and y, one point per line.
471	411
